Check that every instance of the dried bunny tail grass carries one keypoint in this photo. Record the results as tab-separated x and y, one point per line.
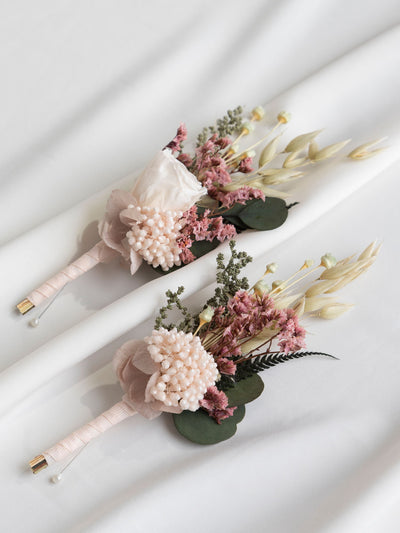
300	142
334	310
334	279
327	151
363	152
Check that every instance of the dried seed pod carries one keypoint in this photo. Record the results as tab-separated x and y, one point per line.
293	163
278	285
329	151
366	155
299	308
262	287
257	113
284	117
312	149
367	253
248	127
337	271
269	152
316	302
328	260
363	152
301	141
332	311
320	287
343	282
286	301
281	175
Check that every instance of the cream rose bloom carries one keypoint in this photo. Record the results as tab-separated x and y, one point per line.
144	223
167	184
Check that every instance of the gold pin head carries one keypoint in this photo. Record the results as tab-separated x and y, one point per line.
25	306
38	463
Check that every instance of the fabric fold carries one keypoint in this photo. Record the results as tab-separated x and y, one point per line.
318	193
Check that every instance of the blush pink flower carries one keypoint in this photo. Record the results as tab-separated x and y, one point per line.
215	402
245	165
226	366
168	371
181	135
240	196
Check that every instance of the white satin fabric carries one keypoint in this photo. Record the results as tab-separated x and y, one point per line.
92	91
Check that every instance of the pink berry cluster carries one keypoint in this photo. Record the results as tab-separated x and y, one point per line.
186	369
154	236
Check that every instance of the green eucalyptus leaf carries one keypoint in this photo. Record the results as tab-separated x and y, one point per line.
266	215
200	428
245	390
235	220
200	248
234	210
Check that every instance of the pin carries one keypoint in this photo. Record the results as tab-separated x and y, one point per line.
58	477
35	321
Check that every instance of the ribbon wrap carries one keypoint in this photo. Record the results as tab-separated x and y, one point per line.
98	254
79	438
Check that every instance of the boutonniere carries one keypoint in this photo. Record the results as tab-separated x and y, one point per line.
205	367
185	203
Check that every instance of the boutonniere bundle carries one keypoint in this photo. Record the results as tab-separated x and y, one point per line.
204	368
184	204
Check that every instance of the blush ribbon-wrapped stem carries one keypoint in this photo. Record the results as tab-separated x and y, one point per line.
79	438
75	269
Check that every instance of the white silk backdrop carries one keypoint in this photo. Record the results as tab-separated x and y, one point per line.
90	91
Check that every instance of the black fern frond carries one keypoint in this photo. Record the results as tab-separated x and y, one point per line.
262	362
226	382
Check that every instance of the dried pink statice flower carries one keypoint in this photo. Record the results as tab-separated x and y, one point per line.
215	402
246	165
187	256
211	167
202	227
186	159
245	316
226	366
291	335
239	196
176	144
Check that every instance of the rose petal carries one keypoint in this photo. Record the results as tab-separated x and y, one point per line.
124	353
136	396
167	184
136	260
111	229
148	397
142	359
106	254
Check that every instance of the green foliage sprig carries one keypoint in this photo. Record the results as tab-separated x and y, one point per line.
173	300
229	124
229	282
228	279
